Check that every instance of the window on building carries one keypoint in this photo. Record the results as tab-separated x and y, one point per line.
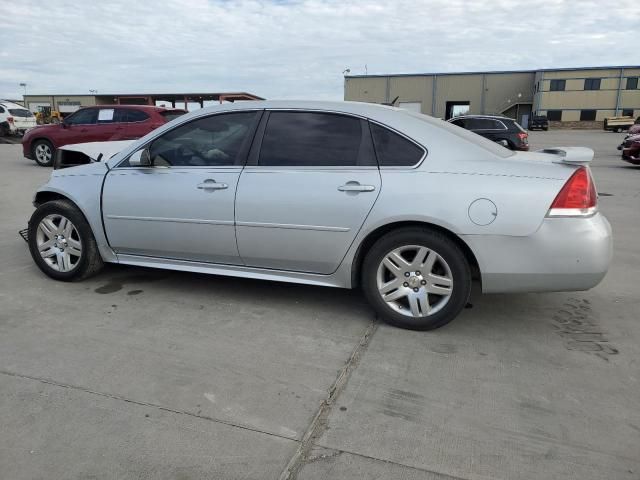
632	83
592	84
394	150
558	85
554	115
587	115
627	112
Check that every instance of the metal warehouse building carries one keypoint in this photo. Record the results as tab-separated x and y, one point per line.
570	97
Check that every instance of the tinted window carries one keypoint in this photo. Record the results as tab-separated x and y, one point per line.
310	139
135	115
483	124
83	117
172	114
557	85
587	115
1	110
592	84
632	83
554	115
459	122
394	150
627	112
20	112
211	141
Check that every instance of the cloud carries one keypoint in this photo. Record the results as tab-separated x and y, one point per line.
293	49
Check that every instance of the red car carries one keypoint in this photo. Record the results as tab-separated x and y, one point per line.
631	149
94	124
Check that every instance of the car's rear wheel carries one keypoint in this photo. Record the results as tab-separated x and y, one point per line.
43	151
61	242
416	278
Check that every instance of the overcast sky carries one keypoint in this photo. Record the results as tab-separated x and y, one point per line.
295	49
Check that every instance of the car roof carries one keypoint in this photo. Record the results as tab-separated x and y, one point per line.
494	117
136	107
7	104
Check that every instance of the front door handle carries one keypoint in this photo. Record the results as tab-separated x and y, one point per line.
211	184
356	187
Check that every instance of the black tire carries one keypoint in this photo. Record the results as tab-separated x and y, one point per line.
45	144
436	242
89	261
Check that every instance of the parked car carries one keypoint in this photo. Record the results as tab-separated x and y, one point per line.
336	194
15	119
503	130
94	124
619	124
539	121
631	149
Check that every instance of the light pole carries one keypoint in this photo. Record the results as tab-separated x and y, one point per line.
24	85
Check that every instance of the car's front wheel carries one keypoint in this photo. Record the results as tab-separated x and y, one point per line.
61	242
416	278
43	151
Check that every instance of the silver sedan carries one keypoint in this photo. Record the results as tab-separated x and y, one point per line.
410	208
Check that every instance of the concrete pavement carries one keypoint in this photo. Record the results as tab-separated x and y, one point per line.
140	373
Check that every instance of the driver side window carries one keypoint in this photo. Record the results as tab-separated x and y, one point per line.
212	141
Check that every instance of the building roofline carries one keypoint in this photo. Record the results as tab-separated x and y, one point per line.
442	74
148	94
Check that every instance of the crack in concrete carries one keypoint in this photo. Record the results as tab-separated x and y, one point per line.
318	424
145	404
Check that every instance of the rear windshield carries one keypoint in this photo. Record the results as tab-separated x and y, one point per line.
172	114
465	134
20	112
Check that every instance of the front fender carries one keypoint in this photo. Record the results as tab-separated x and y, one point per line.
83	186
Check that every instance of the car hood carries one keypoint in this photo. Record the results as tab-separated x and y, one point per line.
93	150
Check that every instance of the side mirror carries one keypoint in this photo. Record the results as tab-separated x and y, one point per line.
64	124
141	158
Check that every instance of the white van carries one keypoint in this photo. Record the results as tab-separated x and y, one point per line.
15	119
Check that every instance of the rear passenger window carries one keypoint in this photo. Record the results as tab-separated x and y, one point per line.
136	116
309	139
394	150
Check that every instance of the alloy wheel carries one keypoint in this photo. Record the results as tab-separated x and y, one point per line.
58	243
43	153
414	280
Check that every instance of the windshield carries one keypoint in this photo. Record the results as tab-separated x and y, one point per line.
20	112
172	114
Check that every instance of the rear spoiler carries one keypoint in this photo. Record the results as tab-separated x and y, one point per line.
571	155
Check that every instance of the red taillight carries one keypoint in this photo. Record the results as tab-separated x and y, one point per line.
523	137
10	119
578	196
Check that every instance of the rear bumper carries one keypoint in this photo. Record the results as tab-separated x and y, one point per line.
564	254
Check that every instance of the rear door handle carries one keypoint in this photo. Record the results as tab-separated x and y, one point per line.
211	184
356	187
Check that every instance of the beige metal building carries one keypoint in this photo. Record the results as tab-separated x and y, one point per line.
572	97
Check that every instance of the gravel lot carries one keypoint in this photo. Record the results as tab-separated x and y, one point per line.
147	374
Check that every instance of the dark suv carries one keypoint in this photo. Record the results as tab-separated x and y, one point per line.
539	121
503	130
